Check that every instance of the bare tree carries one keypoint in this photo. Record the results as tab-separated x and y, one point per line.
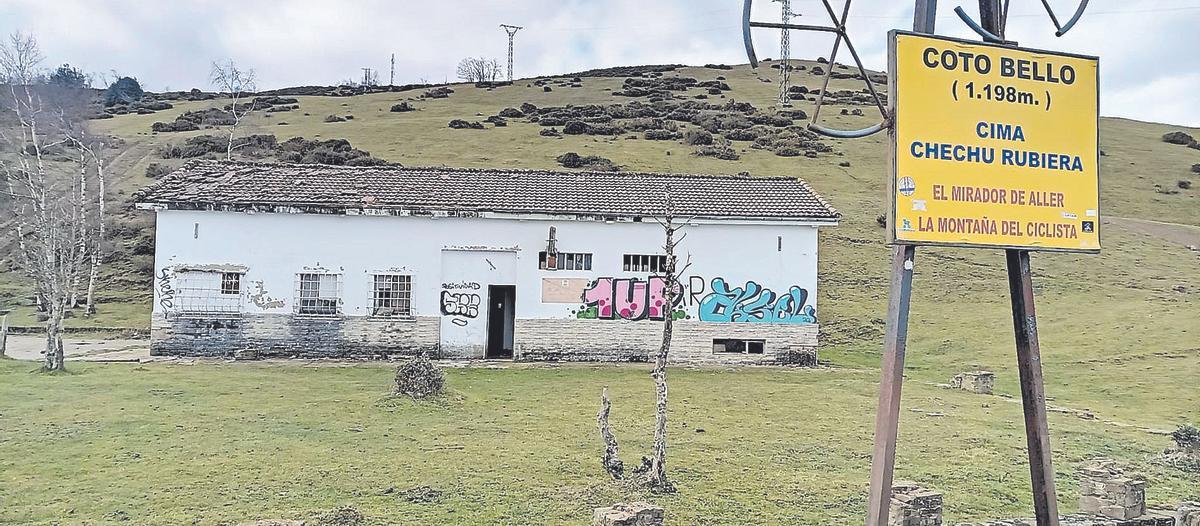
19	59
472	69
656	476
239	84
51	207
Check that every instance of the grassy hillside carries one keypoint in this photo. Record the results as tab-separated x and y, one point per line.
1118	329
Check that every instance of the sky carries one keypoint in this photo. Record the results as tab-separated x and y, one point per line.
1149	49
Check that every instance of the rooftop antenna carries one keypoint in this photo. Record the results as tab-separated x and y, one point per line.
512	32
785	53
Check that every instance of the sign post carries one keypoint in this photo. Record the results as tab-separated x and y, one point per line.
992	146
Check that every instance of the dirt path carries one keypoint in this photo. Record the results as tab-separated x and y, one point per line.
30	347
1186	235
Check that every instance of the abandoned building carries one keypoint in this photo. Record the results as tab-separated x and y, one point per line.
274	260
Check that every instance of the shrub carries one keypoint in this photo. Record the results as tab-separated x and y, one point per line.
575	128
1184	184
590	162
660	135
511	113
174	126
334	118
720	152
550	132
156	170
697	137
124	91
1196	168
402	107
1187	437
528	108
460	124
748	134
419	378
881	220
1178	137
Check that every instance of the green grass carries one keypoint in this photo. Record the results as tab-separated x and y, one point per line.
1118	333
172	444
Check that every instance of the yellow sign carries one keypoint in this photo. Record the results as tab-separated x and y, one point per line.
993	146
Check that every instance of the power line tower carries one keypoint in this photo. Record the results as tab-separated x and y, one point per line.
512	32
785	53
392	77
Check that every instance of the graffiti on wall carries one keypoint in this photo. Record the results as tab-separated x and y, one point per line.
462	306
716	301
166	293
754	303
630	299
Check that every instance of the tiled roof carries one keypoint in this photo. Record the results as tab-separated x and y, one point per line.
222	184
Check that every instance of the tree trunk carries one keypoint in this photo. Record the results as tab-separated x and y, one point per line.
93	274
612	461
3	335
657	475
54	345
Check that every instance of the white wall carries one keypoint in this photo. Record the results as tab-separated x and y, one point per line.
274	247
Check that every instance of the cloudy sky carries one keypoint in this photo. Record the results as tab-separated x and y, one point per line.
1149	49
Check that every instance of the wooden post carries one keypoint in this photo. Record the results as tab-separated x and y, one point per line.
887	415
1033	390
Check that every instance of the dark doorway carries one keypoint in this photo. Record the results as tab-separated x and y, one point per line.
501	315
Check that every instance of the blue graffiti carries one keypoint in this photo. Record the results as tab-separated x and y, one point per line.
755	304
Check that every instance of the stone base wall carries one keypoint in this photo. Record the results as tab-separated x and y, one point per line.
567	340
573	339
287	336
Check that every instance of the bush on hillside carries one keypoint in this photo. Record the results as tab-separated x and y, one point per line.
156	170
125	90
697	137
402	107
1178	137
589	162
724	153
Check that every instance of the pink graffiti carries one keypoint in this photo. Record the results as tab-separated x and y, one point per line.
630	298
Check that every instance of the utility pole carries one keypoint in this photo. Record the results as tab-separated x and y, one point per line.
392	77
512	32
785	54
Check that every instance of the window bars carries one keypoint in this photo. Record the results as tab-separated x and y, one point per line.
391	295
208	292
565	261
318	294
644	263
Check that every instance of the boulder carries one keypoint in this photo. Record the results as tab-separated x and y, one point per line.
633	514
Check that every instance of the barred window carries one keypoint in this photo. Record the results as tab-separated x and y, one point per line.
391	295
565	261
231	283
318	294
644	263
205	292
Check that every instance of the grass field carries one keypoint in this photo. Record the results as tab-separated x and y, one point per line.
204	444
1118	332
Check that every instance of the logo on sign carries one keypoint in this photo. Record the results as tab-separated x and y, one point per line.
907	186
1089	226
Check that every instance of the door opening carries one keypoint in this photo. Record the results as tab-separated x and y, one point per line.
501	317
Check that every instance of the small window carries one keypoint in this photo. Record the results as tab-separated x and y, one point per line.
738	346
318	294
204	292
564	261
391	295
644	263
231	283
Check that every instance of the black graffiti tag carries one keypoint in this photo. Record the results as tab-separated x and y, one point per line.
166	293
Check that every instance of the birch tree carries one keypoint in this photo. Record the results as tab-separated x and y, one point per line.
239	84
53	206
